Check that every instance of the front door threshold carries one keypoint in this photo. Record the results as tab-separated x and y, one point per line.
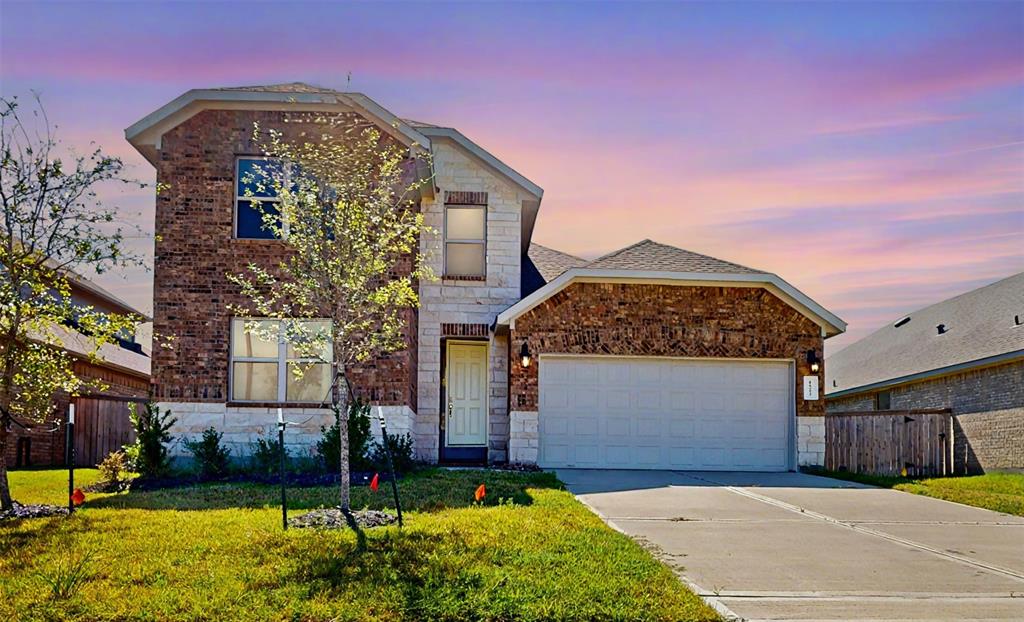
463	455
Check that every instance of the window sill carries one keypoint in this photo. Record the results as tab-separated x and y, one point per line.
275	405
473	279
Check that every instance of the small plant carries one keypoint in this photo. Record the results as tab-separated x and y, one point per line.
114	471
266	456
211	457
401	454
68	575
147	456
358	439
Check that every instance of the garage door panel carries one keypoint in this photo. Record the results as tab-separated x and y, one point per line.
664	413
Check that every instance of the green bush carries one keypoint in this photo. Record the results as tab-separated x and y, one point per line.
147	456
211	457
266	456
114	471
401	454
328	447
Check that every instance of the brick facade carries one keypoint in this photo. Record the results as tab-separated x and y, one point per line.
988	410
665	320
196	249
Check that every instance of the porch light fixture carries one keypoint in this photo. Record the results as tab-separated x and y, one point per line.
524	355
812	360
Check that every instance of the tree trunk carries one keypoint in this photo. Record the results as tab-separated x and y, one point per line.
5	489
341	402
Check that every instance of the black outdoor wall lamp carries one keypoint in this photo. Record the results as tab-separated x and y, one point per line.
812	360
524	355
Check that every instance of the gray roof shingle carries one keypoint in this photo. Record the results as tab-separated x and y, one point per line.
648	255
551	263
979	325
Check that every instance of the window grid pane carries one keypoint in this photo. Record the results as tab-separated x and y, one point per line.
254	382
313	384
465	223
464	259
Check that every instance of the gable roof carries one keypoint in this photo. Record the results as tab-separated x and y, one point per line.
650	255
551	263
651	262
980	330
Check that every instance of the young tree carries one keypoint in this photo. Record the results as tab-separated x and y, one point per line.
53	223
346	209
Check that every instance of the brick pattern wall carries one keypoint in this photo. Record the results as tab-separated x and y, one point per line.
47	439
465	330
988	409
664	320
447	303
195	249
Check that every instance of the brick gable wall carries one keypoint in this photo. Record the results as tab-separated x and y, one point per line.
664	320
195	250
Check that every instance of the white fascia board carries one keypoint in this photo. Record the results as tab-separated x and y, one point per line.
482	154
146	132
830	324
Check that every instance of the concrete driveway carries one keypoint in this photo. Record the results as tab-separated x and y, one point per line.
789	546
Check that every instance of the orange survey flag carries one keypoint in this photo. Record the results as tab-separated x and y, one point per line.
375	482
481	492
78	497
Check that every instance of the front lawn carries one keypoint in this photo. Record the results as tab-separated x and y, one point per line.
1002	492
217	552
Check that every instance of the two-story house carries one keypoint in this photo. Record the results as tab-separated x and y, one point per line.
649	357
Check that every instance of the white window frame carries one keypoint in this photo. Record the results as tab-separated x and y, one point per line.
482	241
238	197
282	360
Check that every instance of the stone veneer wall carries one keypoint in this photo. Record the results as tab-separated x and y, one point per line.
810	441
988	413
454	301
195	250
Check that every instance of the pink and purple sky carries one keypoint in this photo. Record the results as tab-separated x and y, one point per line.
871	154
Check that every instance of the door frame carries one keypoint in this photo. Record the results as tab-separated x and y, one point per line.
792	443
464	454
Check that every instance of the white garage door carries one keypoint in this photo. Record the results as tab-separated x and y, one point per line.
659	413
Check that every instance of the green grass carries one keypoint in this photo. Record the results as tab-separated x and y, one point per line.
217	552
1002	492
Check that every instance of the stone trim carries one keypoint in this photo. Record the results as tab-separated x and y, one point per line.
463	197
810	440
465	330
524	437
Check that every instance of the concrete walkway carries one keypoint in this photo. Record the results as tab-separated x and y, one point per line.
789	546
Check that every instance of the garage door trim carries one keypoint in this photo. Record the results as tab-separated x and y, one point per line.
791	418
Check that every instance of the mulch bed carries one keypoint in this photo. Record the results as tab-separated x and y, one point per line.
335	518
32	511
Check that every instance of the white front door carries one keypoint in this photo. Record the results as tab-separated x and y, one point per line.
467	394
663	413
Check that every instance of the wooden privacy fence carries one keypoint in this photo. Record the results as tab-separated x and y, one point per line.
102	426
887	442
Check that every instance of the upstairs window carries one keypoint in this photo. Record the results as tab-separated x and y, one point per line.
883	400
254	196
264	365
465	246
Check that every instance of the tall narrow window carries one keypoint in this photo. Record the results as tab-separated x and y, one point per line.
465	246
254	196
883	400
265	367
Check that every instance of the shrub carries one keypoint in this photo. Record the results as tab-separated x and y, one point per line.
401	454
358	439
211	457
114	471
147	456
266	456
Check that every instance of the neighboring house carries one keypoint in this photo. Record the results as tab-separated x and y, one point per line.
650	357
122	369
965	354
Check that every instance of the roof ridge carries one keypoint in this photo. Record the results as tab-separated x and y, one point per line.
675	248
622	250
555	250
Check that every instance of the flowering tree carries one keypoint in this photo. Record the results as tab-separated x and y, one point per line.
53	223
344	203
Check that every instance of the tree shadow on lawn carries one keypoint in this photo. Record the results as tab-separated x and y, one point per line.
431	490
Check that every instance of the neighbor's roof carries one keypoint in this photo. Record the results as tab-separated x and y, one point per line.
551	263
651	262
649	255
980	330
